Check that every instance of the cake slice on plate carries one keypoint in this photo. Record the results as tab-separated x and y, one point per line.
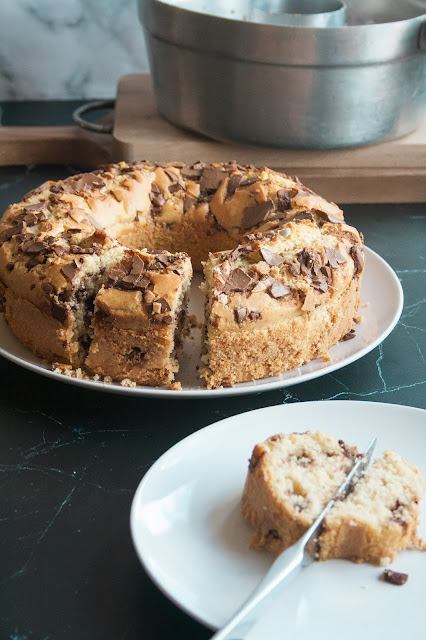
292	477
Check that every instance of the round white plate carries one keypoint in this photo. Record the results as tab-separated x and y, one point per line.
192	540
381	306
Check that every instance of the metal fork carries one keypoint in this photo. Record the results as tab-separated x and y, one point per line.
289	562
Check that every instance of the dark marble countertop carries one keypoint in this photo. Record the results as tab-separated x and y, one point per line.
71	459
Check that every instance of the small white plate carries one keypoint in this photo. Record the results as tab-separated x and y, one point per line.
381	306
192	540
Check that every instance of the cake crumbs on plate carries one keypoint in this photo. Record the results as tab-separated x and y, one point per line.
175	386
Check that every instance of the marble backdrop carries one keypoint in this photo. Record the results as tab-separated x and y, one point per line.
59	49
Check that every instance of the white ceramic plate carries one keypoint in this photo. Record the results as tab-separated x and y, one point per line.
381	306
190	536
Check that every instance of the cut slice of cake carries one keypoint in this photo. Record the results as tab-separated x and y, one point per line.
140	318
279	300
289	481
379	518
292	477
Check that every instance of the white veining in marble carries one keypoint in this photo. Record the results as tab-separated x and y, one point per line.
62	49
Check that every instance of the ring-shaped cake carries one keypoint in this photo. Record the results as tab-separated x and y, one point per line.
95	270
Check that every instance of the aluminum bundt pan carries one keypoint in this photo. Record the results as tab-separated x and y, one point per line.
221	69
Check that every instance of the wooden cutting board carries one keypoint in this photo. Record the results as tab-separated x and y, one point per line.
388	172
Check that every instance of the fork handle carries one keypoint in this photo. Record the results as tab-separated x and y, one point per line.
289	562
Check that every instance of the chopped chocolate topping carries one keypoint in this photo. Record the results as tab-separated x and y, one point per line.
240	315
277	289
33	246
38	207
164	305
249	182
211	178
237	281
284	198
233	184
256	213
13	231
394	577
328	217
186	172
188	202
335	257
69	270
302	215
358	258
156	197
270	257
254	315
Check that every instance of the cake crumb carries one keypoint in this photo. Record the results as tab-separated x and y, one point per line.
193	322
127	383
175	386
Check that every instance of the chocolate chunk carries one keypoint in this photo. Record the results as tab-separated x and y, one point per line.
199	165
302	215
173	188
284	198
13	231
138	265
188	202
335	257
212	178
83	182
237	281
358	258
116	274
69	270
157	199
233	184
254	315
328	217
256	213
270	257
164	305
277	289
33	247
348	336
190	174
249	182
320	285
36	207
240	315
173	177
394	577
59	311
58	249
